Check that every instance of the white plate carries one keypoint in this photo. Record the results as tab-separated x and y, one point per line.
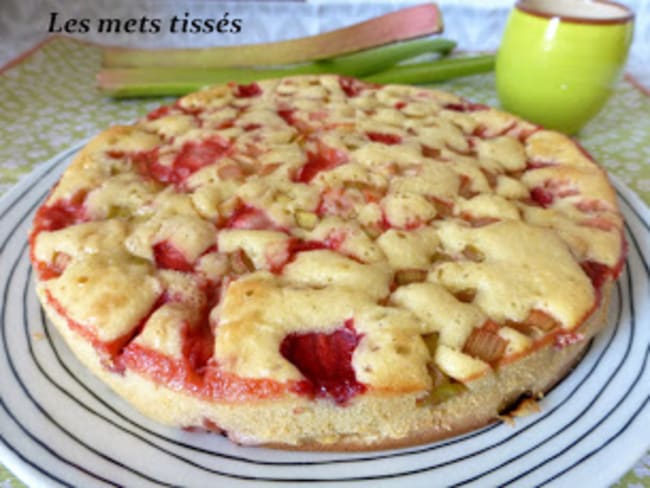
60	426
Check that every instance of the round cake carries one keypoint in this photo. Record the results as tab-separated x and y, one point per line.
320	263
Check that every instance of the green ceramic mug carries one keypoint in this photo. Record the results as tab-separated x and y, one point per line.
559	60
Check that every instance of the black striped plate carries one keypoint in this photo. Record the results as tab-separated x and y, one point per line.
59	426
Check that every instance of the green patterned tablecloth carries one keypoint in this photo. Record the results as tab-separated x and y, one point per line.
48	102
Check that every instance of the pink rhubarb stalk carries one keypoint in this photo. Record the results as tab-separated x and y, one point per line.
408	23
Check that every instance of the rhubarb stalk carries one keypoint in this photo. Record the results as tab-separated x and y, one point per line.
408	23
378	59
157	81
430	72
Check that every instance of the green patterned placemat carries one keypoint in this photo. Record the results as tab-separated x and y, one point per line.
48	102
8	480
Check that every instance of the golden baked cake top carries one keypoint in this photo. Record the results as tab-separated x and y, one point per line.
323	236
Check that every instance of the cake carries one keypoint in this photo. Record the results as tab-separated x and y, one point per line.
316	262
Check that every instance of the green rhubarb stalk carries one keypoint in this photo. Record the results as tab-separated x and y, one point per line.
430	72
408	23
378	59
158	81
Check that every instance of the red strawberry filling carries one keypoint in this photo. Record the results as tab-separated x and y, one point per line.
196	371
61	214
287	115
325	360
109	350
252	218
248	91
189	374
324	159
542	197
597	272
545	195
192	157
169	257
466	107
198	341
332	242
195	155
159	112
351	86
388	139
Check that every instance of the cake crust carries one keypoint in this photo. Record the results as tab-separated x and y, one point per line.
261	424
